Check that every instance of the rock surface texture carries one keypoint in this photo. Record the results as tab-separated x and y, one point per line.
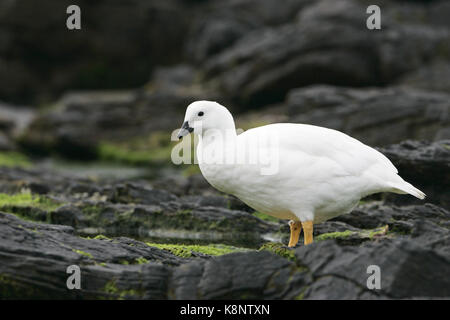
94	224
86	123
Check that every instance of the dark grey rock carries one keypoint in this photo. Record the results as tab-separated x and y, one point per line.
407	268
35	257
329	44
226	22
97	56
375	116
432	77
238	276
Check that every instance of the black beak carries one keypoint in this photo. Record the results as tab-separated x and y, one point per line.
185	130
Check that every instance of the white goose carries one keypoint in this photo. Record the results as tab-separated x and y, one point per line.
304	173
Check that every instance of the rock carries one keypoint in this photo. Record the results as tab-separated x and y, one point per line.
13	121
238	276
5	143
374	215
35	258
140	193
76	125
432	77
438	13
133	209
117	46
407	269
227	22
377	117
327	45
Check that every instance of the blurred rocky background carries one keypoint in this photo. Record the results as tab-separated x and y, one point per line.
86	118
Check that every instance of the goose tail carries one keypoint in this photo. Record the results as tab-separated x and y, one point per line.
404	187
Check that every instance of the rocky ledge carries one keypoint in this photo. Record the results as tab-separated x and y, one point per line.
133	239
413	263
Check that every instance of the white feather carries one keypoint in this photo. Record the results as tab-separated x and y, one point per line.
322	173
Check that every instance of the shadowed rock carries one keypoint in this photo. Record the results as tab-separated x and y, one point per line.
35	258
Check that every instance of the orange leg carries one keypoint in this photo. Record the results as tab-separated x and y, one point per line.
308	232
296	228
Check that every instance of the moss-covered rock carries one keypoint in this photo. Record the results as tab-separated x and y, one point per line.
188	251
279	249
28	206
14	159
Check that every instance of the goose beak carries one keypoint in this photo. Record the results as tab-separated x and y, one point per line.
185	130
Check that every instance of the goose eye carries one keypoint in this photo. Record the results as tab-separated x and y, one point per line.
201	113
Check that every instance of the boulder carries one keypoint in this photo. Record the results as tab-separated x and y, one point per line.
36	257
377	117
118	45
407	270
80	120
329	44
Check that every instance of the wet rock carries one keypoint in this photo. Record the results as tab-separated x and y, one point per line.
374	116
326	45
133	208
406	269
238	276
375	215
111	268
35	258
377	117
140	193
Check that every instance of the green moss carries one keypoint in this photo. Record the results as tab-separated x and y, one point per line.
154	149
265	217
14	159
101	237
112	290
110	287
369	234
279	249
10	288
334	235
86	254
26	199
184	211
28	206
186	251
92	210
377	232
301	295
116	153
141	260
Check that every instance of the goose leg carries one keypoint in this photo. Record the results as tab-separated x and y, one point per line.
296	228
308	231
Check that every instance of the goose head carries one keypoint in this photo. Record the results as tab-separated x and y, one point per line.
202	116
